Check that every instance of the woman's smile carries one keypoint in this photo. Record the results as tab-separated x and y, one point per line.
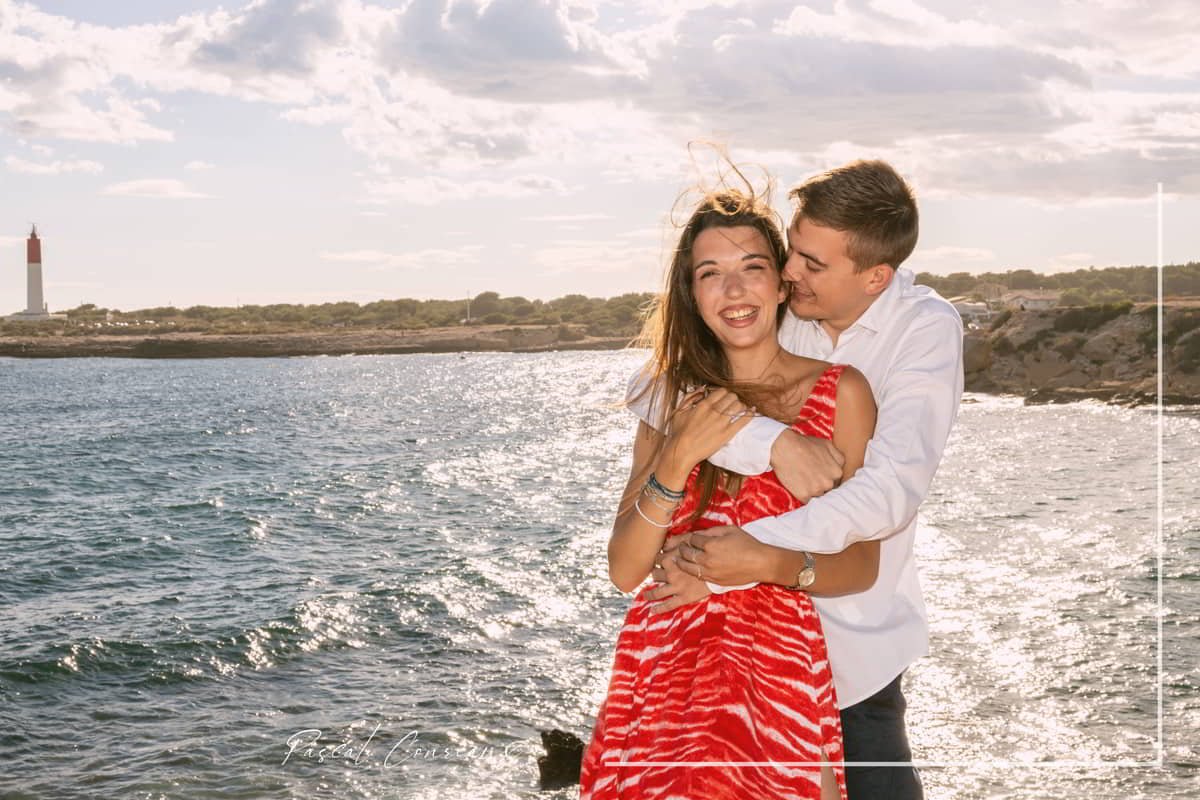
740	316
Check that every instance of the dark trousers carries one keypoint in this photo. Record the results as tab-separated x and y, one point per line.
873	730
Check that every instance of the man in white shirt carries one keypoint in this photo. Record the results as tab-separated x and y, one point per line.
850	304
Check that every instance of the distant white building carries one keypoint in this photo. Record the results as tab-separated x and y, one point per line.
971	310
1030	299
35	306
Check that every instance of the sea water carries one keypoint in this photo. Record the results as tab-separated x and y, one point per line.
380	577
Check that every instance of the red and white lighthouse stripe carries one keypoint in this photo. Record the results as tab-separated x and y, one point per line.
33	267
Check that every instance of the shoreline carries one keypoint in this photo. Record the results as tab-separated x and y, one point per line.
484	338
1019	375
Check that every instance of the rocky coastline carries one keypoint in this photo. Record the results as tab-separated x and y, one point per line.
1106	353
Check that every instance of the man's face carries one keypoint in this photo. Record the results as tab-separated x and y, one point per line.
825	285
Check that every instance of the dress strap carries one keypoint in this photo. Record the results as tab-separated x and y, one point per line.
827	381
822	399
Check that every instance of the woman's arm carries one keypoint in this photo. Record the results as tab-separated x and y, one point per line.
855	568
699	428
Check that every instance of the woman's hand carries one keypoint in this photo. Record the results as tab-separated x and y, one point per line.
675	587
700	427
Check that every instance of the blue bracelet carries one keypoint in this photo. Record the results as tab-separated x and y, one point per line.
667	494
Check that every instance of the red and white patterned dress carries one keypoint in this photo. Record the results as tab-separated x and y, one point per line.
736	677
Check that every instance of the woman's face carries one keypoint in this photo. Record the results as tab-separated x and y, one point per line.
736	285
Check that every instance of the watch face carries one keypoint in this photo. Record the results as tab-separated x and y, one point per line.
806	577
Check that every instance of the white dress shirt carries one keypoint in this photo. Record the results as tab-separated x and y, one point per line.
908	344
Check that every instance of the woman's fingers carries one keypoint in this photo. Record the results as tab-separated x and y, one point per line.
706	422
724	402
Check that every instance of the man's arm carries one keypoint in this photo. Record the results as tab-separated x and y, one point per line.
807	466
748	453
918	404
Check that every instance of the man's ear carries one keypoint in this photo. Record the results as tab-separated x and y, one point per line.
878	278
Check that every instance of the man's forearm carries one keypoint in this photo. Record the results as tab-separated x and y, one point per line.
916	412
852	570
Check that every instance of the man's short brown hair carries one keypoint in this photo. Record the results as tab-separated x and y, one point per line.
869	201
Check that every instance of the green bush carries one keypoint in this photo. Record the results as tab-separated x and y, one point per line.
1087	318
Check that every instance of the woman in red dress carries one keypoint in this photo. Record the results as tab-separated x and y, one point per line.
729	697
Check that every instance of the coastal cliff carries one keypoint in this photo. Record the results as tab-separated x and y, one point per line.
1103	352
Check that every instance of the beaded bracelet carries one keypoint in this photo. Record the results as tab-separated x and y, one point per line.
637	507
667	506
662	491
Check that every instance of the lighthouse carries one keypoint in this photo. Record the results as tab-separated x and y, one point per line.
35	306
33	274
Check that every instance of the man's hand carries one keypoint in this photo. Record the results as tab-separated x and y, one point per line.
676	588
728	556
806	466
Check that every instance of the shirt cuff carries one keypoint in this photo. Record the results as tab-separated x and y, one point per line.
717	588
749	452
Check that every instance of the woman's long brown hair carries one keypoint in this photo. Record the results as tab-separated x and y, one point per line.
686	353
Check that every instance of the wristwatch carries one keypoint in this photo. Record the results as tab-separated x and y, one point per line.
806	576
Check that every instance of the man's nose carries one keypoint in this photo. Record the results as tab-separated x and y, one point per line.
791	267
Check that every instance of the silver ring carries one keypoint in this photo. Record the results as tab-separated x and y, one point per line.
735	417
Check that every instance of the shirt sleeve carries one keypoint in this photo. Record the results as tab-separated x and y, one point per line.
918	404
638	395
748	452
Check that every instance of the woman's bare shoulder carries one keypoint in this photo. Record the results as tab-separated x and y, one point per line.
854	389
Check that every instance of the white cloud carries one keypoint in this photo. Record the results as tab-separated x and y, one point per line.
1077	103
436	189
357	256
377	260
1070	261
53	167
165	188
946	259
953	253
600	256
517	50
198	166
569	218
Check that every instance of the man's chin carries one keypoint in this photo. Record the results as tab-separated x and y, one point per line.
805	309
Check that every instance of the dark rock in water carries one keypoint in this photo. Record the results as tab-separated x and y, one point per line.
559	768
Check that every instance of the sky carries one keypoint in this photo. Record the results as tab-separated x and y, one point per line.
304	151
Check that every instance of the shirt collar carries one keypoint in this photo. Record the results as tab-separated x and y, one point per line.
880	311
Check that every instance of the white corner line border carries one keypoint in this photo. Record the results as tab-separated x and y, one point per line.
1159	541
973	764
1159	757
